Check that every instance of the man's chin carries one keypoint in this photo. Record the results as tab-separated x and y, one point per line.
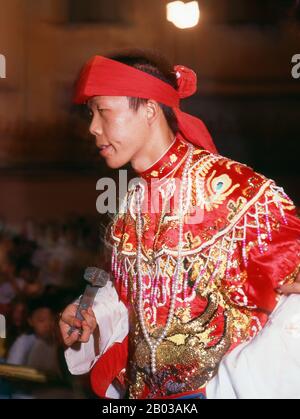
114	164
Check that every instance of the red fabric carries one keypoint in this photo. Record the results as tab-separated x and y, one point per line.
102	76
248	290
266	270
108	367
186	81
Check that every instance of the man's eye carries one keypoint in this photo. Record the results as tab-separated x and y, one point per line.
100	110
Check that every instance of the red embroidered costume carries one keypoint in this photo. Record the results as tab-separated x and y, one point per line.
240	241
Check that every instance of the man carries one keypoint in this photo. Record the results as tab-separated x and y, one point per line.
199	248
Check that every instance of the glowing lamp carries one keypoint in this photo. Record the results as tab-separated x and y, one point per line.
183	15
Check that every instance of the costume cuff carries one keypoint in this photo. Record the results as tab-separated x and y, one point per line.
112	319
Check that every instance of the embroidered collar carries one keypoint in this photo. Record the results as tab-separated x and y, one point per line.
167	163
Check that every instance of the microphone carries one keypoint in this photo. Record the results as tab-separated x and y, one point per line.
96	278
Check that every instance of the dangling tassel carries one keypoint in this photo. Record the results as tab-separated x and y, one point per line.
163	290
282	213
118	276
125	274
259	240
200	276
213	275
113	257
269	231
229	260
244	252
244	243
153	290
134	286
185	285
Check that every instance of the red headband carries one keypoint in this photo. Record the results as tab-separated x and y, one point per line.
102	76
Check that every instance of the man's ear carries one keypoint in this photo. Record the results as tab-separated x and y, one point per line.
152	110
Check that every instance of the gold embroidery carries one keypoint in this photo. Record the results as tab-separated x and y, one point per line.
188	345
200	341
192	241
235	207
178	339
173	158
291	278
127	247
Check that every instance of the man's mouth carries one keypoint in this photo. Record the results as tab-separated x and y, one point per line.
105	149
102	147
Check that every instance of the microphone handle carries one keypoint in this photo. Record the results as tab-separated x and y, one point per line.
85	302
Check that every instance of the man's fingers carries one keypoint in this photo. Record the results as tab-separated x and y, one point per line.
290	289
86	332
68	315
89	318
70	340
65	329
90	311
68	320
71	322
76	323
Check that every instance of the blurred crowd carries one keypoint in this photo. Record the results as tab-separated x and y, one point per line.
41	271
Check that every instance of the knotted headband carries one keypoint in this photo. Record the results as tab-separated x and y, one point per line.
103	76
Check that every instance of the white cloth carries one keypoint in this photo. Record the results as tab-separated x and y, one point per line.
112	319
267	367
19	352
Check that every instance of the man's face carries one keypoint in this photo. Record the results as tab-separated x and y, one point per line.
42	321
120	132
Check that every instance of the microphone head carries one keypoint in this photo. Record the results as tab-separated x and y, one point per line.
96	277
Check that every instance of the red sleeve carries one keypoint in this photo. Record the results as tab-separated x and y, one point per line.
266	253
278	264
108	367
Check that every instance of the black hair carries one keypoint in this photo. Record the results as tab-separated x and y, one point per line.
155	64
40	303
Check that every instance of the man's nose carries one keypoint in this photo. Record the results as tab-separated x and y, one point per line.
96	127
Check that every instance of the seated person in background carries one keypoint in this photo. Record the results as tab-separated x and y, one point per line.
10	285
39	349
16	323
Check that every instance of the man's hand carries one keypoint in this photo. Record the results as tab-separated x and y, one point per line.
68	319
291	288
